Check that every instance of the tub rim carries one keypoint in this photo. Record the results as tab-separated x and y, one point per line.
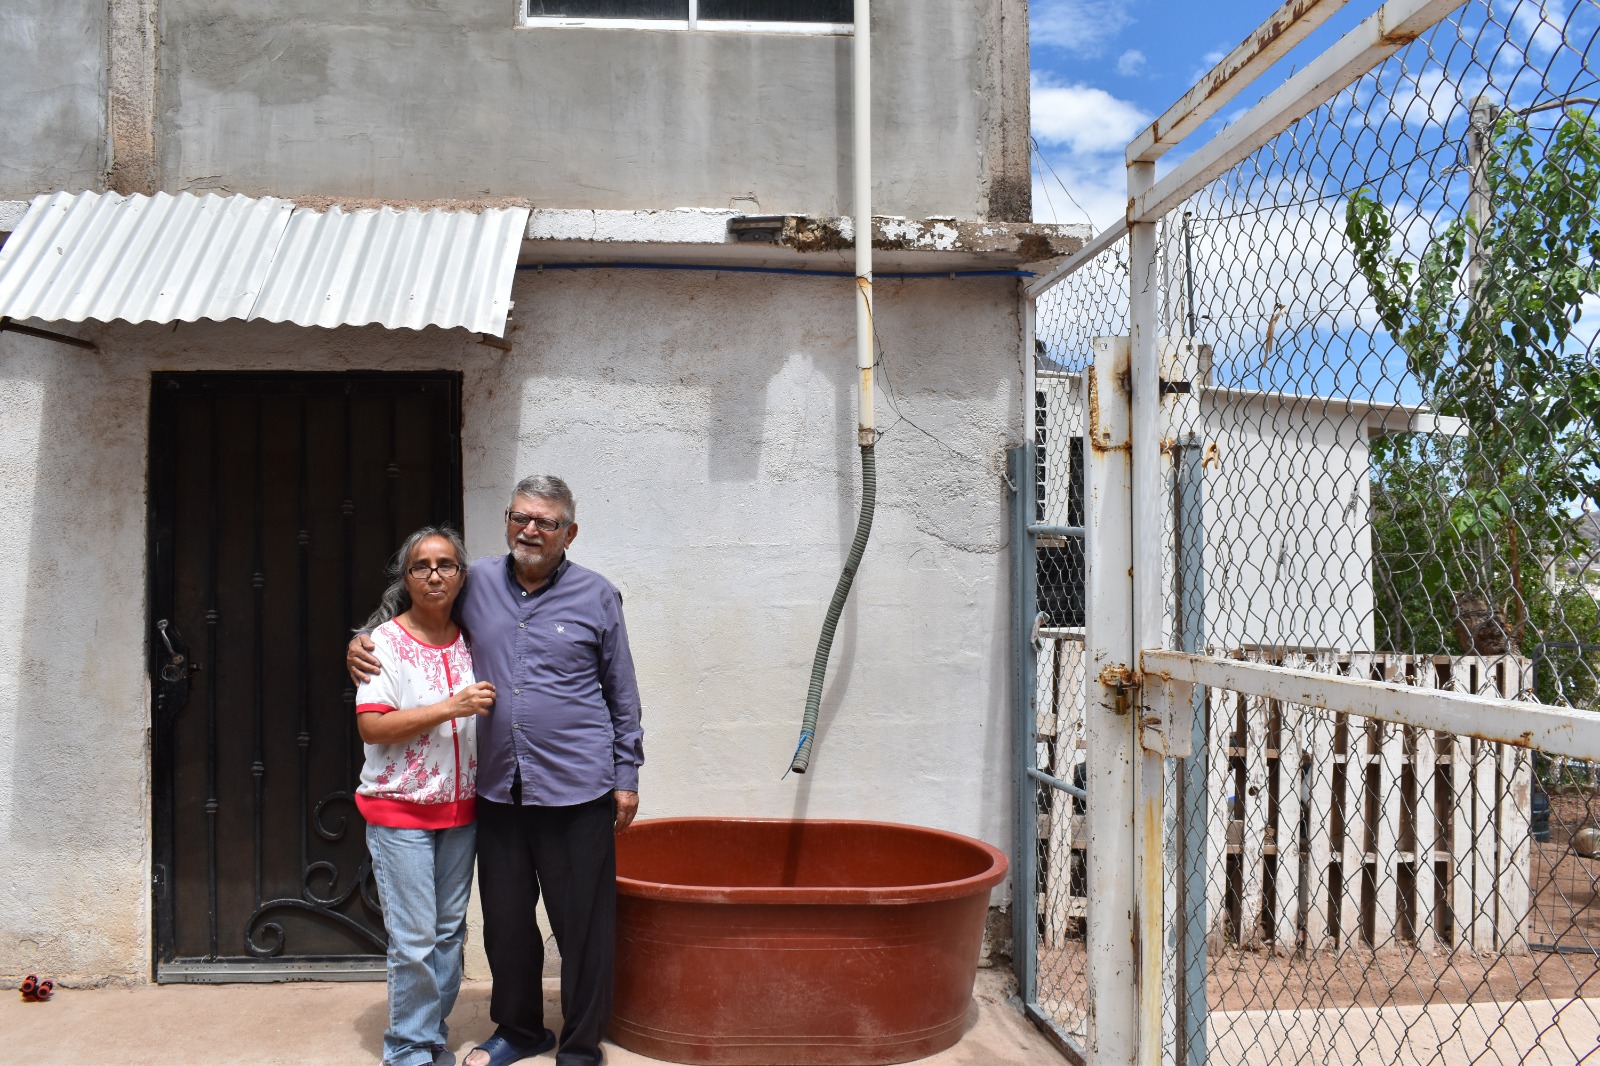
871	894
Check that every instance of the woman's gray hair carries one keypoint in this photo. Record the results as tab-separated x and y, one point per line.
396	599
547	487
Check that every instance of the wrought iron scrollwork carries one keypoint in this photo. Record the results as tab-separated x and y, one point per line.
336	833
265	939
274	947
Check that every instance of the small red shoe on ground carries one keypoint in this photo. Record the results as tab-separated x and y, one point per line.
36	991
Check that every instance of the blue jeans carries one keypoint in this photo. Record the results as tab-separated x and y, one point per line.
424	879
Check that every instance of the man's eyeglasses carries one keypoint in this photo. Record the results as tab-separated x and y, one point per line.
420	571
543	525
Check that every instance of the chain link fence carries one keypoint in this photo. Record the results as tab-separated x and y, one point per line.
1376	892
1386	331
1381	385
1091	302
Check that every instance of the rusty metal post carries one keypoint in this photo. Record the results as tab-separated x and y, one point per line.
1148	536
1109	718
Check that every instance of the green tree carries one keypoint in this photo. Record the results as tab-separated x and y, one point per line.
1485	316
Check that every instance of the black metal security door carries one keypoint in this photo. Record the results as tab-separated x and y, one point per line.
275	500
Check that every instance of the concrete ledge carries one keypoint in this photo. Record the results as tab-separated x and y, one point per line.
932	243
701	235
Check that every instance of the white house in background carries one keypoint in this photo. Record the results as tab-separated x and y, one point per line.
291	245
1285	514
1285	503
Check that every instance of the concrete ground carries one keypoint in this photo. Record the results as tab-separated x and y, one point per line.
340	1024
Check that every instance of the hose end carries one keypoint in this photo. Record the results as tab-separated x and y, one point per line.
802	754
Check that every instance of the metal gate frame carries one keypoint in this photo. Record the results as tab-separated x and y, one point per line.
1142	700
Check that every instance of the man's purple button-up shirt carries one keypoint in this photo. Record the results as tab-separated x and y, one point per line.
566	704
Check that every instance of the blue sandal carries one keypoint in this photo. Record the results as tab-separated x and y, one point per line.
503	1052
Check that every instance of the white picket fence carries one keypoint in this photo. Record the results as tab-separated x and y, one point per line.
1338	830
1061	829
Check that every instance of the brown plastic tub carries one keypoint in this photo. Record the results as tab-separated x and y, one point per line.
766	942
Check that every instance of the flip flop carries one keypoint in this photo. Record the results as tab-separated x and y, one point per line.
503	1052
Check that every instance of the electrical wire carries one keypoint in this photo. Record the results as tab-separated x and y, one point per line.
929	275
1036	151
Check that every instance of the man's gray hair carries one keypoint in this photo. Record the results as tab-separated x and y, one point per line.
547	487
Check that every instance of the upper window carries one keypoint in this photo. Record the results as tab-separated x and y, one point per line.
780	16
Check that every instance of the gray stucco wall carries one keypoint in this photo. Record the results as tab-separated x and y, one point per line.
452	98
52	96
707	425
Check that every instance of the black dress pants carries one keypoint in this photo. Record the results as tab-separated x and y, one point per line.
570	854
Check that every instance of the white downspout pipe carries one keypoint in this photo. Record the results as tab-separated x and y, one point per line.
866	435
862	201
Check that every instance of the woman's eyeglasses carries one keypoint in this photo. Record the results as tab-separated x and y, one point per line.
420	571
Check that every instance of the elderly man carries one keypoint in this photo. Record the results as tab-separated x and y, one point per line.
558	773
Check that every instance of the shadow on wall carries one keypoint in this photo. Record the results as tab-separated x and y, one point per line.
715	424
719	429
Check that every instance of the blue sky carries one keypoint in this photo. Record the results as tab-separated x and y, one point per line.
1102	69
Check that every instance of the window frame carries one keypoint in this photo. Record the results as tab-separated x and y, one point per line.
693	23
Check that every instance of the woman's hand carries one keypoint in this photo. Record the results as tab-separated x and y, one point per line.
359	660
474	699
396	726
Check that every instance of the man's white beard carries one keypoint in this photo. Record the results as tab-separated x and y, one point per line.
529	554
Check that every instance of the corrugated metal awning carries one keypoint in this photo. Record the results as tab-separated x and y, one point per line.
161	258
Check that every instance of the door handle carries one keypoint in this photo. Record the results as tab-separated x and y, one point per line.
174	670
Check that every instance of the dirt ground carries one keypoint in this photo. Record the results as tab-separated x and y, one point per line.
1566	910
1565	917
1259	980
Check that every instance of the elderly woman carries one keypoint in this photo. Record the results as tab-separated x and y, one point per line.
418	719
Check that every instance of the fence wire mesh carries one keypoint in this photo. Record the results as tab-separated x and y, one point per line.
1384	464
1091	302
1394	389
1392	342
1371	892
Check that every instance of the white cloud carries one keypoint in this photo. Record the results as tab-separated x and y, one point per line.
1431	97
1130	62
1083	27
1098	188
1081	132
1083	118
1207	63
1542	30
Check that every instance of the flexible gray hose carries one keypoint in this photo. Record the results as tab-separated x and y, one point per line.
841	593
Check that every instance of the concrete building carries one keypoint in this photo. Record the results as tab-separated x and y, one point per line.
290	237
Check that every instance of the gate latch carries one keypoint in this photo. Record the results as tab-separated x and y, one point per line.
176	668
1166	723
